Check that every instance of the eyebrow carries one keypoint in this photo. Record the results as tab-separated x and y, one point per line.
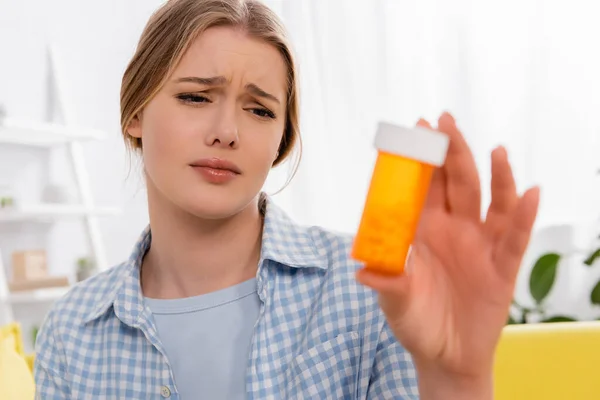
212	81
255	90
221	80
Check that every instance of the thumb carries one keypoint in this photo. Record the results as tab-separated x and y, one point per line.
394	285
388	284
393	290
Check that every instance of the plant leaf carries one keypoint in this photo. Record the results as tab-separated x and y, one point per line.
595	295
592	257
559	318
511	320
542	276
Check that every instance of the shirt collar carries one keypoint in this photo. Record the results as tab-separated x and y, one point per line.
125	294
284	242
287	243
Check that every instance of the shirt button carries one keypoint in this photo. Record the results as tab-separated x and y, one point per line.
165	392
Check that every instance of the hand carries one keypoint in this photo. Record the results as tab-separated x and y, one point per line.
449	308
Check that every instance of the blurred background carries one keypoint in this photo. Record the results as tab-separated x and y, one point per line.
520	73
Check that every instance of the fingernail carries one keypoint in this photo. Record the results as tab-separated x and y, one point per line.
422	122
501	150
449	115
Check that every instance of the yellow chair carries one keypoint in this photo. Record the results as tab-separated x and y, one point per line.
16	379
30	360
550	361
13	331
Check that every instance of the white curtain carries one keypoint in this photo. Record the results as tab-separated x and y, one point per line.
521	73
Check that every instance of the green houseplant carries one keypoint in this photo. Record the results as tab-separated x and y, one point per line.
86	267
541	282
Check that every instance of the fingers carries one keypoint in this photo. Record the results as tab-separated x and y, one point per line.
436	197
462	179
504	195
515	239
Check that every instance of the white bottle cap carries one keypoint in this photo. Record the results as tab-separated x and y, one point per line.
420	144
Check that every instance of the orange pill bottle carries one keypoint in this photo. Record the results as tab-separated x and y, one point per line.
399	185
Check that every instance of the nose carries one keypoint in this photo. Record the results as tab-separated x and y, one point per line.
225	129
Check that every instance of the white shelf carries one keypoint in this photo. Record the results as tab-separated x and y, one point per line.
43	134
38	295
36	212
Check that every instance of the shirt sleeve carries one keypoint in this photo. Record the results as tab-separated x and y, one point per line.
50	365
393	375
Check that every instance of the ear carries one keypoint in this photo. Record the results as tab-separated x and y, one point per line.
135	127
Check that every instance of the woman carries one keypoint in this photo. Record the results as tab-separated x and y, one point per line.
224	297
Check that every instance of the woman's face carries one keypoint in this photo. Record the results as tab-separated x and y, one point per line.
211	135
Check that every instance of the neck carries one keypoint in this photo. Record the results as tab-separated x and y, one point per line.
189	256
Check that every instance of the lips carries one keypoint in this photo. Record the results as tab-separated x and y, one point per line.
216	170
218	164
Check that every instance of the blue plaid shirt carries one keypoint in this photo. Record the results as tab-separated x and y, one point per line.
320	334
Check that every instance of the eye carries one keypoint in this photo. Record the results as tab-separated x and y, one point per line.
263	113
192	98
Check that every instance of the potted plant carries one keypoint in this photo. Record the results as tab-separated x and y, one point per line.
86	267
541	282
7	198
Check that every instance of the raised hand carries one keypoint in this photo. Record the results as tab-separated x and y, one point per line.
449	308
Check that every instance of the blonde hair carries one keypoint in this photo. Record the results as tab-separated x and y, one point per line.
170	32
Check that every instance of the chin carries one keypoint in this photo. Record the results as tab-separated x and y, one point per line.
217	203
